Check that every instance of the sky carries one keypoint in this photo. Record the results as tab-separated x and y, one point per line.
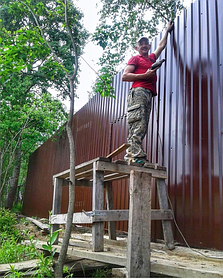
92	52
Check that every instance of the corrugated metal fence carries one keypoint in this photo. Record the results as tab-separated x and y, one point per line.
185	133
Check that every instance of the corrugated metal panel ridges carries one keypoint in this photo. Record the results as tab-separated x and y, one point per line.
185	133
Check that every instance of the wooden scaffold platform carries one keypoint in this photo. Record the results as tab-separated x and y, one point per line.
137	256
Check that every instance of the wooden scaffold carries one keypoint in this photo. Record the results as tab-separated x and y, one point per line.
99	173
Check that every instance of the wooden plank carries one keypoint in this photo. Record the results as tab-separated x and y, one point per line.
111	215
80	168
88	245
183	268
182	262
115	176
87	174
64	174
105	257
139	231
85	170
78	218
163	202
89	165
123	215
148	165
160	214
110	206
84	265
125	169
117	151
97	204
21	266
107	216
39	224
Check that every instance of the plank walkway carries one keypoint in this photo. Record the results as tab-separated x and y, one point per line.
181	262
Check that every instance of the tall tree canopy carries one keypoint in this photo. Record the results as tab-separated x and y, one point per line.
28	49
46	39
122	22
28	69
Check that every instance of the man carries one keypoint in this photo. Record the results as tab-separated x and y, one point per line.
139	99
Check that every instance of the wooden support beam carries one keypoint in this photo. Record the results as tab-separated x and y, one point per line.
125	169
78	218
139	232
97	204
110	206
90	217
163	202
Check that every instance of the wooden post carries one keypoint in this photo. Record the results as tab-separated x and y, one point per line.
57	196
139	232
97	204
163	202
110	206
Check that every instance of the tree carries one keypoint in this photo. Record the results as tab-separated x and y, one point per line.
121	24
23	60
64	50
27	119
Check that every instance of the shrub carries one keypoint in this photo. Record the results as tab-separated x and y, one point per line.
11	251
7	226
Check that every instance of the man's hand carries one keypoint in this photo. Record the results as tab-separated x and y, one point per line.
130	76
169	26
149	73
163	41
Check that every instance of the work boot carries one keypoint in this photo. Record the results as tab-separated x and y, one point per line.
141	161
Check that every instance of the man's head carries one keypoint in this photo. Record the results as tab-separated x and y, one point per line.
145	39
143	46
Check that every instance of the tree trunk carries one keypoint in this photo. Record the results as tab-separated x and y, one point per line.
64	247
14	180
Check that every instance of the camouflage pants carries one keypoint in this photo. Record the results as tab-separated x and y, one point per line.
138	112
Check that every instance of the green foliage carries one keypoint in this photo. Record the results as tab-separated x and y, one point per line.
101	273
122	23
17	208
49	246
44	267
67	272
45	263
11	251
28	113
14	273
103	84
7	226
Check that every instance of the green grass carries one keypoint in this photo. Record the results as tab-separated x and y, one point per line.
12	250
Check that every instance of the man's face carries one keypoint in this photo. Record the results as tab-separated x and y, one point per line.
143	47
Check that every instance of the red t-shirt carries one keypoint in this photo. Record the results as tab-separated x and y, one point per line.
142	64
